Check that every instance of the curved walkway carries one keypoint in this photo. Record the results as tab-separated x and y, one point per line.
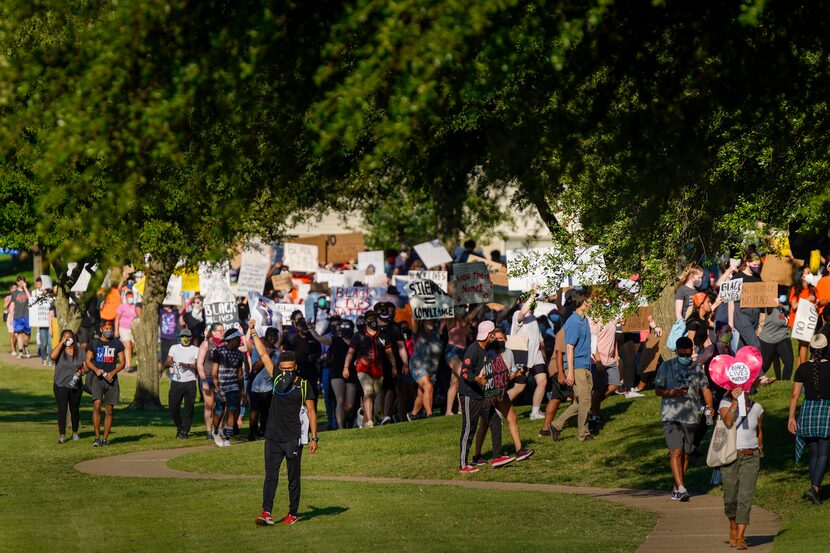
695	526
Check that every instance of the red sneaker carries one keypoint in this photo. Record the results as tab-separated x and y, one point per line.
264	519
289	519
468	469
501	461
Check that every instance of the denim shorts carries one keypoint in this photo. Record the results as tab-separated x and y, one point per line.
232	402
417	373
453	352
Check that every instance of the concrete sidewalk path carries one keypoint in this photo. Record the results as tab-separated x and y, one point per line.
681	527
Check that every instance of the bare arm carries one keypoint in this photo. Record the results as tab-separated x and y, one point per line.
391	358
322	339
311	408
263	352
791	424
56	352
569	351
348	363
731	314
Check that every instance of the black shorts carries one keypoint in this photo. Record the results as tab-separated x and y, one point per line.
558	391
538	368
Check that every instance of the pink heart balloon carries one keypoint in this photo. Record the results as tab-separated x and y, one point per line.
751	358
718	368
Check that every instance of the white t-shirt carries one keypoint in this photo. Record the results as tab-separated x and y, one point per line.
747	437
530	329
181	354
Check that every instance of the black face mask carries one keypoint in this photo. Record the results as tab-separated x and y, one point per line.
499	346
372	324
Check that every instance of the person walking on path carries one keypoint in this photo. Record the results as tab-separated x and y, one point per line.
680	382
812	428
22	330
69	366
740	476
181	367
215	337
105	358
578	354
291	418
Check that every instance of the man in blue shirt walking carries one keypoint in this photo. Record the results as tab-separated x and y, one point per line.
578	354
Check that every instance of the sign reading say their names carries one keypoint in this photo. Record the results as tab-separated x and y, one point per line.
759	294
429	301
472	283
300	258
222	312
433	253
731	289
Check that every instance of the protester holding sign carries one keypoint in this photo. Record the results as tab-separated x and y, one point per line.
524	324
745	321
228	367
215	338
801	290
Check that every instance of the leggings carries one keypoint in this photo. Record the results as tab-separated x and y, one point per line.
782	350
471	411
346	395
275	452
819	453
71	398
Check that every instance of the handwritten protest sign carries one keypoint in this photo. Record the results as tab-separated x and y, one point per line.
806	320
438	277
759	294
498	272
253	271
780	269
39	311
731	289
374	258
429	301
351	302
282	282
222	312
174	291
265	312
433	253
286	309
300	258
472	283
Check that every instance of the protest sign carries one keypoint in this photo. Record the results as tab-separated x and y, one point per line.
376	281
253	271
282	282
400	284
174	291
433	253
517	343
638	321
303	288
334	248
300	258
222	312
39	311
780	269
543	308
264	312
46	281
759	294
588	269
214	283
438	277
806	320
82	283
190	280
351	302
286	309
429	301
472	283
730	290
374	258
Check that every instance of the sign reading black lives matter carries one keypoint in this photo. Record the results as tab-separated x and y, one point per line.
222	312
429	301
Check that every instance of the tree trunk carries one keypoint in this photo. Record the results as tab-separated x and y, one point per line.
69	314
145	335
664	315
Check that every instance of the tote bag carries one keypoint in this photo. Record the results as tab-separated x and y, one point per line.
723	448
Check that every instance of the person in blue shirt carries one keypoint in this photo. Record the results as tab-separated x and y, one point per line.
578	355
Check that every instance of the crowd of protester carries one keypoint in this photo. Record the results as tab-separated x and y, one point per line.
384	367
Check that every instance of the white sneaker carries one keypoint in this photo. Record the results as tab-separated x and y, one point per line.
226	443
368	424
631	394
218	439
537	416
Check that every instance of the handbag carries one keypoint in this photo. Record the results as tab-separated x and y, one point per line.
723	449
678	330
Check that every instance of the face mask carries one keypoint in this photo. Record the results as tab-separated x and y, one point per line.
68	342
129	286
130	301
726	338
217	341
185	342
755	270
108	334
386	315
697	283
685	361
372	325
782	300
498	346
196	311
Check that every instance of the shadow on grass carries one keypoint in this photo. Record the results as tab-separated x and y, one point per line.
315	512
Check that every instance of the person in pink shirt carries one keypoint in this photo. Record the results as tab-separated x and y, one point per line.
126	313
606	369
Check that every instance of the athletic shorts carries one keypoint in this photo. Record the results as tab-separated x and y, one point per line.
538	368
232	401
453	352
679	435
371	386
101	390
608	377
21	325
558	391
125	334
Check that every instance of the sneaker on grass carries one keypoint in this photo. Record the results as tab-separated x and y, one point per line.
385	420
544	433
478	461
524	454
499	462
218	438
289	519
468	469
264	519
633	394
97	442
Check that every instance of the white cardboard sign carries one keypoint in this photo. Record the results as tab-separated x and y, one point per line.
300	258
373	258
174	291
433	253
730	290
429	301
438	277
264	312
806	321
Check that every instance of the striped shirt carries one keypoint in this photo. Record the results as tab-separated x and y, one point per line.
230	362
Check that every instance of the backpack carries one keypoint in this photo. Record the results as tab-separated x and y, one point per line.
678	331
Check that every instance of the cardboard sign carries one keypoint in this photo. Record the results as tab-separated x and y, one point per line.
190	281
264	312
335	248
351	302
543	308
650	356
634	323
256	262
472	283
46	282
780	269
429	301
730	290
374	258
300	258
39	311
286	309
174	291
806	321
588	269
282	282
438	277
433	253
222	312
376	281
759	294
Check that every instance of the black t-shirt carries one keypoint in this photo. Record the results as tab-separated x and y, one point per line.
308	351
337	354
804	374
105	353
284	414
474	359
749	315
700	327
392	334
196	327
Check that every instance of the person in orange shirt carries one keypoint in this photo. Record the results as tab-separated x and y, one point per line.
801	290
110	304
823	293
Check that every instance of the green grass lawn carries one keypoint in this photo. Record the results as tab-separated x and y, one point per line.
46	505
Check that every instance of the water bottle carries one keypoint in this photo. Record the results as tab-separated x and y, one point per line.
710	420
75	382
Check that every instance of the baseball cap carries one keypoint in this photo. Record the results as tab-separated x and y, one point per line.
185	332
484	330
818	341
232	333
